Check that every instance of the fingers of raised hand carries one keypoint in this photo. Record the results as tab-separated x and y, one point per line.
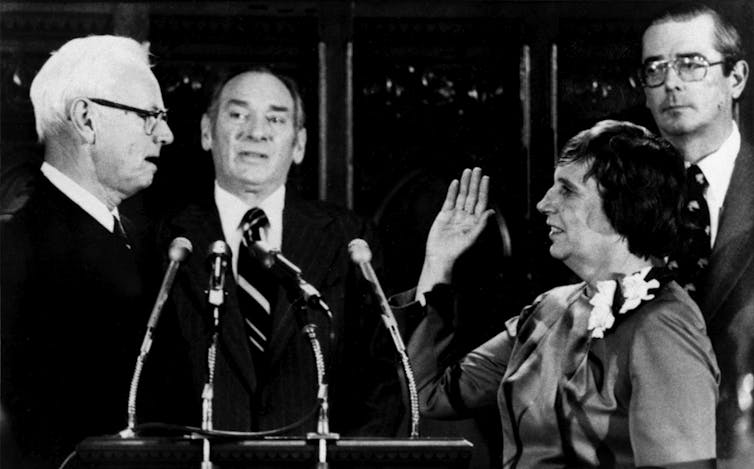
469	194
484	188
463	190
450	197
473	193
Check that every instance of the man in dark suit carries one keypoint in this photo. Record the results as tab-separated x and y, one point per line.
265	374
693	71
73	311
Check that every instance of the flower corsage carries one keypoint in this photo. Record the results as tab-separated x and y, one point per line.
634	289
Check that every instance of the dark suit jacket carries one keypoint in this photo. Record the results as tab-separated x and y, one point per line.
364	392
727	295
72	321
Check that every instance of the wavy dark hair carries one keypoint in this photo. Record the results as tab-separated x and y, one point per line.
641	179
299	116
727	39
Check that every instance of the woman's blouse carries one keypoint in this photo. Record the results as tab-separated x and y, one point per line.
644	394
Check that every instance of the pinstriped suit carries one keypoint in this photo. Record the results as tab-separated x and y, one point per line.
727	295
364	394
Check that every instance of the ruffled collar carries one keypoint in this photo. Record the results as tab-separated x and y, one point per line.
621	296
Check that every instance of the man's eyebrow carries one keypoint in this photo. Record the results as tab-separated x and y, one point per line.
654	58
279	108
688	55
685	55
236	102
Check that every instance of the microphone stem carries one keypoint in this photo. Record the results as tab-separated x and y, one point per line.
132	396
323	424
392	326
413	395
146	345
208	391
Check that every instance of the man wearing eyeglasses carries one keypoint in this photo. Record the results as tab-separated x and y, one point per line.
693	72
73	311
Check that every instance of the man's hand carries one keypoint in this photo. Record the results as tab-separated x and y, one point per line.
462	218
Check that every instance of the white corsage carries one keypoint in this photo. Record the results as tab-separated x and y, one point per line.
601	318
634	290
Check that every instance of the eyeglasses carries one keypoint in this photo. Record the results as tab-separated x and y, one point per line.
151	118
692	68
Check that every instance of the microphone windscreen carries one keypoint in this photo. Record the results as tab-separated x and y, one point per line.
179	249
219	248
360	252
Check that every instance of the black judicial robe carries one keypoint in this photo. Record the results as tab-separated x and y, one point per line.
73	315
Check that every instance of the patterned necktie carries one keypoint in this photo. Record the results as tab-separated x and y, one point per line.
690	264
120	232
257	289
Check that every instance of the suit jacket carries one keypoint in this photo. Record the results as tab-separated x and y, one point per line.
567	399
72	320
727	295
363	387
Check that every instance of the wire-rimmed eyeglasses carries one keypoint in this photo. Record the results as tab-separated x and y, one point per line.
151	118
691	68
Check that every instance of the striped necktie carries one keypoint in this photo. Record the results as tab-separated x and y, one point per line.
257	288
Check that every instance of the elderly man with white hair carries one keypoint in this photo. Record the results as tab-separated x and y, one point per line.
73	309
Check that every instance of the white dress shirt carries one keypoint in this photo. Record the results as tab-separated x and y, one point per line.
81	197
232	209
717	168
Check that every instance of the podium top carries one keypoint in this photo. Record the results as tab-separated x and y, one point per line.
278	452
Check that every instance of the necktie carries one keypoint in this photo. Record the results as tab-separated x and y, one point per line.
120	232
690	264
256	286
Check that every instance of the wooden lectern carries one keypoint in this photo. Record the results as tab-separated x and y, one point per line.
272	453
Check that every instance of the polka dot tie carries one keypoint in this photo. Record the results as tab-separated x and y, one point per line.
691	261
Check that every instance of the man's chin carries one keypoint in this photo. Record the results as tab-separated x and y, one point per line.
676	126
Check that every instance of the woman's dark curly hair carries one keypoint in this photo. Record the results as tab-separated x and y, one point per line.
641	179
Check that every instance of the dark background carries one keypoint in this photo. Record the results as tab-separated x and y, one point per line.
400	96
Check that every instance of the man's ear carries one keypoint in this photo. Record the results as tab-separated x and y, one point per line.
299	146
80	115
738	75
206	128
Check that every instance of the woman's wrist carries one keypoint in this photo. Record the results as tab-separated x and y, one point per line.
436	270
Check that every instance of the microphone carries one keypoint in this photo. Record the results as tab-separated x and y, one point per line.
218	257
362	255
288	271
179	250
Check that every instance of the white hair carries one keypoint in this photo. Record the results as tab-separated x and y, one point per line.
83	67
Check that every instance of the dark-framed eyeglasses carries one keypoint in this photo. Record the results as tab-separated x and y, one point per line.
151	118
692	68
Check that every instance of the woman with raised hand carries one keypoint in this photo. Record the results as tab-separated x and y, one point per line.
615	371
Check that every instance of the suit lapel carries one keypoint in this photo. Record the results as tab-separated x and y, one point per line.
307	243
202	223
734	246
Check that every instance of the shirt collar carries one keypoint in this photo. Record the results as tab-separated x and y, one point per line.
232	209
718	165
80	196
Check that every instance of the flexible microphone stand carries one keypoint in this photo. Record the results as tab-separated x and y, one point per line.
362	255
179	250
219	254
209	390
323	434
